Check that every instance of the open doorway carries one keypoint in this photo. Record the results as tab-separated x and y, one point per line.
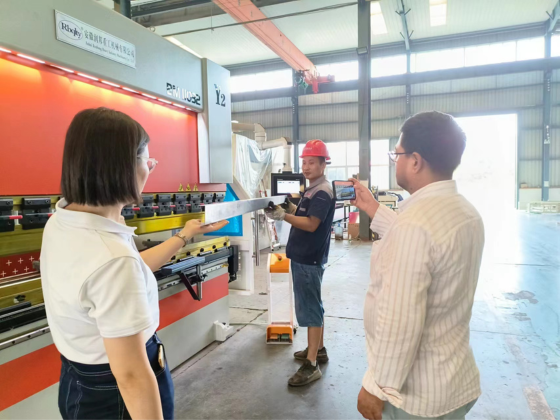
486	176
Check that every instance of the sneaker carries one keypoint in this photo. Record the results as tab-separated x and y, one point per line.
322	356
306	374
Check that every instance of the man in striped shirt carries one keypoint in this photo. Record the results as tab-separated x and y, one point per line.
424	273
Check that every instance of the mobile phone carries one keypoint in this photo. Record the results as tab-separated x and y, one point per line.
344	190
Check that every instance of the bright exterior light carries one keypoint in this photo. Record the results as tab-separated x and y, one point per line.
5	50
129	90
378	26
438	12
149	96
163	100
179	106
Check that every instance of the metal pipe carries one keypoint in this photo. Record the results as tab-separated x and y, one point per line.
364	103
271	144
239	127
257	245
123	7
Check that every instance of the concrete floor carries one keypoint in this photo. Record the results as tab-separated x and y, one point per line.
515	336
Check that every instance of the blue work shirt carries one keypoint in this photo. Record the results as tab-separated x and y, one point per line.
312	248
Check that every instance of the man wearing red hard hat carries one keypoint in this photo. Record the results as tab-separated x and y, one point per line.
308	250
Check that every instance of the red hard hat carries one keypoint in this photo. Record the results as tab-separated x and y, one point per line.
315	148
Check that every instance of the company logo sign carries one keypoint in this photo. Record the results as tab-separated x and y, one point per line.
70	30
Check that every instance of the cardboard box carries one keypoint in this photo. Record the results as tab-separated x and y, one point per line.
353	230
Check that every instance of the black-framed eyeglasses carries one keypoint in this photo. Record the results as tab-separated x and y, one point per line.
394	156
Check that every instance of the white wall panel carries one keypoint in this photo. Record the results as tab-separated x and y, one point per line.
530	144
276	133
555	144
555	93
431	88
483	102
388	92
478	83
329	98
531	118
390	108
386	128
530	172
267	118
262	104
329	132
556	75
320	114
555	173
554	116
519	79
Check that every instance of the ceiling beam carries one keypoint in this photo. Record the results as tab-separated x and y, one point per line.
405	33
553	18
175	11
542	64
269	34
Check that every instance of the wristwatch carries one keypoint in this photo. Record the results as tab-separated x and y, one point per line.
183	237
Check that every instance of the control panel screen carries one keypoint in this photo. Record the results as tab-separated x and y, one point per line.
288	186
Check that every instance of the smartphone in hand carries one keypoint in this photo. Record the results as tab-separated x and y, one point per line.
344	190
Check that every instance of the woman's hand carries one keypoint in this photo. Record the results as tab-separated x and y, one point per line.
364	199
159	255
194	227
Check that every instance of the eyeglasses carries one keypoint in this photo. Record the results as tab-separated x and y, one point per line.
151	162
394	156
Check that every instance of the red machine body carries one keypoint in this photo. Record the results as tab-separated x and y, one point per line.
38	104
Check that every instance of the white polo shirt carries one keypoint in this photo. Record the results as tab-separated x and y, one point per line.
95	284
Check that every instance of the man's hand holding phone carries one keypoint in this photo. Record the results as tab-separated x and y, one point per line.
364	199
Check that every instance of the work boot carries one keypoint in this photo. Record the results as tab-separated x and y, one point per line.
306	374
322	356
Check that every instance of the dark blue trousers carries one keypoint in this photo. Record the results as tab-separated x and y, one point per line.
91	391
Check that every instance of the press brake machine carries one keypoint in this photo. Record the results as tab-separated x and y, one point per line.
58	57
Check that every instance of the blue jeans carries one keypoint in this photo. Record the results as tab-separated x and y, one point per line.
91	391
307	294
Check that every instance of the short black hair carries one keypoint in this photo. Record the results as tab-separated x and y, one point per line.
437	138
100	157
322	159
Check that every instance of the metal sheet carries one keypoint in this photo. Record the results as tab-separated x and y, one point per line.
223	211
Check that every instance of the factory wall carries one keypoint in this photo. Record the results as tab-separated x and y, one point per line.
334	116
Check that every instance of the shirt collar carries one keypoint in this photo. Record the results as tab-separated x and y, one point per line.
317	182
431	190
85	220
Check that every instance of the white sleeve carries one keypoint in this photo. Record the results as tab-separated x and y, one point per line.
116	297
382	220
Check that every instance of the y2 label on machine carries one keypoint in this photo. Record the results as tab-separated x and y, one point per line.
220	97
183	94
